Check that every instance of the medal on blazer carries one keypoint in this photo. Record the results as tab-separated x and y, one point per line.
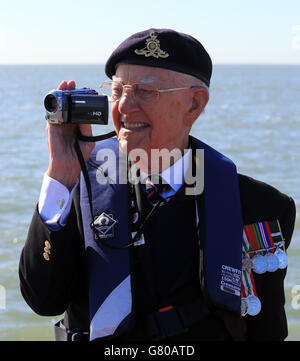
260	264
264	234
259	260
282	258
247	264
250	304
266	254
277	237
272	262
254	305
262	242
244	307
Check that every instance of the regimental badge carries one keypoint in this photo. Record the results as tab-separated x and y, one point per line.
152	48
104	225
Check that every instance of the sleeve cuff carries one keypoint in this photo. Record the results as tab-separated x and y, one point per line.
54	203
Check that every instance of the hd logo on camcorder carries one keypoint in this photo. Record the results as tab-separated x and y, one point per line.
104	225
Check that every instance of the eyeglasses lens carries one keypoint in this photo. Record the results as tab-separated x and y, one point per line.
143	93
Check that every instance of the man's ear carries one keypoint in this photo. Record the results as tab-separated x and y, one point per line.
199	99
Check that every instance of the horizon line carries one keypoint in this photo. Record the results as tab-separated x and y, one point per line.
102	64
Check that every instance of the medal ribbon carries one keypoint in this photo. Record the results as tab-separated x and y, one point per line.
248	287
259	241
281	235
252	239
262	234
243	291
259	236
249	243
266	228
279	228
245	242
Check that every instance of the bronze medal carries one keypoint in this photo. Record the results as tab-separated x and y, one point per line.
247	264
244	307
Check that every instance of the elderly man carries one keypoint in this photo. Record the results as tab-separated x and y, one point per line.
155	257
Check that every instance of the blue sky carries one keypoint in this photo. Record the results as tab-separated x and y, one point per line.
72	31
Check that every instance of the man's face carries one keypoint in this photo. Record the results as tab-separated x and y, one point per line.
150	126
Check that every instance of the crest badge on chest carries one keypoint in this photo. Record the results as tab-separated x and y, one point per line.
105	225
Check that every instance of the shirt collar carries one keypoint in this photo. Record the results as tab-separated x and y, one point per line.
175	174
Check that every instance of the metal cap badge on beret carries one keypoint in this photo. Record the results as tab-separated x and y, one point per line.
163	48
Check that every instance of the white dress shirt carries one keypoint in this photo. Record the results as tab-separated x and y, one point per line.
174	175
55	199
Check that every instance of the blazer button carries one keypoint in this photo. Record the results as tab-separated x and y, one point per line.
47	250
47	244
46	256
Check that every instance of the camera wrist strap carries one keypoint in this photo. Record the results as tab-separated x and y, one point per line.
86	138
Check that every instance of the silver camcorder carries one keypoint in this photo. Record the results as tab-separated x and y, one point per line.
79	106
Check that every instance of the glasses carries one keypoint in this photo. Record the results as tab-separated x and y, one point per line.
143	93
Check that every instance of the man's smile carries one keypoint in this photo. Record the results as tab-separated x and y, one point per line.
134	126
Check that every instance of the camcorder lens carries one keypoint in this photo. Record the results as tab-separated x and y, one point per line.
50	103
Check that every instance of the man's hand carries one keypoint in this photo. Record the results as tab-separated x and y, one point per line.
63	163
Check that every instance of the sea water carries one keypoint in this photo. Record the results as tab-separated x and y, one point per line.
253	117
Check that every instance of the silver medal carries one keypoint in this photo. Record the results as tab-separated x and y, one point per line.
282	258
260	264
272	262
254	305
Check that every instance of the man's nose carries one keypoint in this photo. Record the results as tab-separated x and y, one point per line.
127	102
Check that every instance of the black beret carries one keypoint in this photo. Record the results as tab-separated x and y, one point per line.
163	48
